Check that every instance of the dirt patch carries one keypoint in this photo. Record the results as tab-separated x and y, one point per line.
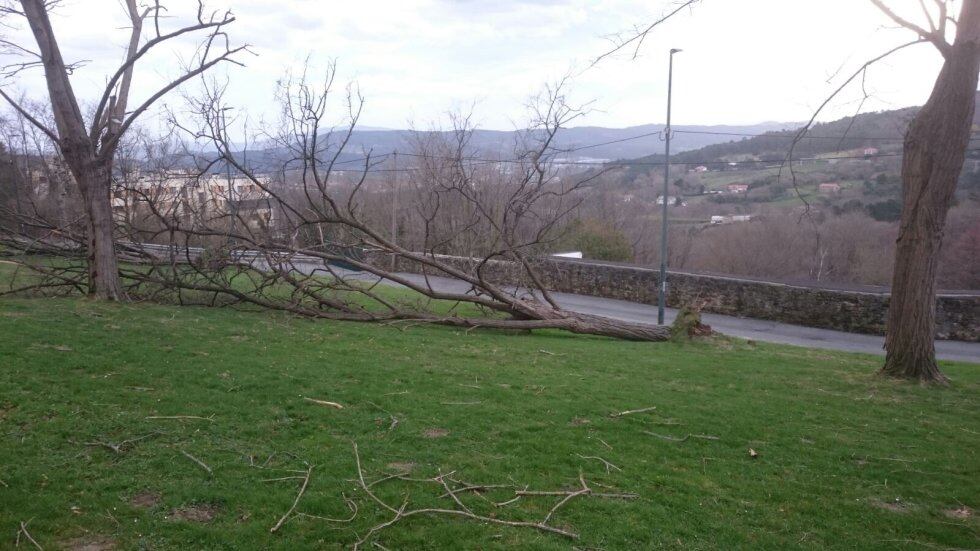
145	500
195	513
399	467
89	544
896	505
578	421
961	512
435	433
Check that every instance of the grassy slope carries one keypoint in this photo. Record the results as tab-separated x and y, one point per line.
836	445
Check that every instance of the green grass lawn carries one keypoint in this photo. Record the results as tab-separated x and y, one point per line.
844	459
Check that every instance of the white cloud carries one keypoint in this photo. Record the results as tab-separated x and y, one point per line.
744	61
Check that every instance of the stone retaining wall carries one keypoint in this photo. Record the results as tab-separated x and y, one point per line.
857	311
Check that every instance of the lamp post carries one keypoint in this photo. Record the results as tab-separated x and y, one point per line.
662	294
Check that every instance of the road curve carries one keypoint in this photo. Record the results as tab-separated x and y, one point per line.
747	328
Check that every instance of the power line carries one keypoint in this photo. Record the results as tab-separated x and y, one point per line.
790	136
621	140
378	159
628	163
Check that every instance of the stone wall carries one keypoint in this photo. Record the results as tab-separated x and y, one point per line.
857	310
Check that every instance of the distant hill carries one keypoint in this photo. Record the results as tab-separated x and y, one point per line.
498	142
883	130
582	143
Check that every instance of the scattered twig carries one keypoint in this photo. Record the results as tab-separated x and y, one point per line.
897	459
121	446
302	490
685	438
668	423
351	504
604	462
23	530
324	403
180	417
462	510
632	411
400	476
108	515
571	495
566	492
202	464
282	478
473	488
508	502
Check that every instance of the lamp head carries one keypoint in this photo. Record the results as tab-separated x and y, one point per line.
675	50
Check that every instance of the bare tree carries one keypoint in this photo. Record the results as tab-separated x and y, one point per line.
934	151
324	255
89	148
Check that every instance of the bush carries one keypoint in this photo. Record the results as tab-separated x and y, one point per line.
885	211
597	240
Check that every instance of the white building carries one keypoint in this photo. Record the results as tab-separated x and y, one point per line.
194	197
672	200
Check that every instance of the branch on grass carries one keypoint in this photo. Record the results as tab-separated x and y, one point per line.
121	446
180	417
632	411
607	464
461	510
302	490
683	439
30	538
200	463
334	405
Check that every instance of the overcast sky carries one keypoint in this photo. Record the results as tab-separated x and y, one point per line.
744	61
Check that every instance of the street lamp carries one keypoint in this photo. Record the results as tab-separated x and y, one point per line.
662	294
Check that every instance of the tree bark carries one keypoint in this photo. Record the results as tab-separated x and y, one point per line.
103	269
934	151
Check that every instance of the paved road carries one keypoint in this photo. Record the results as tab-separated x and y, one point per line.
760	330
747	328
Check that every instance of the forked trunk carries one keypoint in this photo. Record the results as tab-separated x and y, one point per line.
935	148
91	171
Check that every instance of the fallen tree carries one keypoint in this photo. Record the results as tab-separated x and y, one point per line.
284	235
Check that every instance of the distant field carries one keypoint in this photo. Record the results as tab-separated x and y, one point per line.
843	459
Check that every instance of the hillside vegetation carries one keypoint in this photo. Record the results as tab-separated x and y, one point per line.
790	228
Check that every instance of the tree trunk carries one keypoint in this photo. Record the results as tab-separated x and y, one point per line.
103	269
934	151
582	324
